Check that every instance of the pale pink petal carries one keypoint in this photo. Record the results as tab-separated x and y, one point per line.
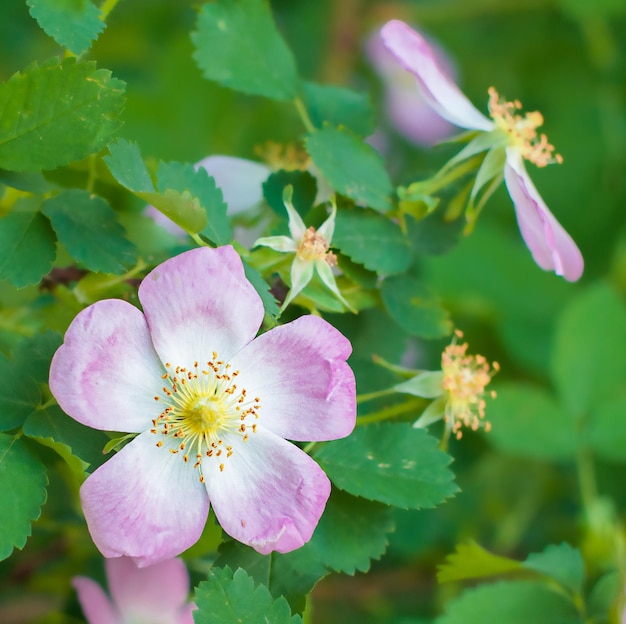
106	374
186	615
145	503
299	372
198	303
443	95
269	494
241	180
96	606
154	593
551	246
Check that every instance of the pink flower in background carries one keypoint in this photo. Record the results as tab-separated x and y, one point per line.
508	138
153	595
408	110
212	407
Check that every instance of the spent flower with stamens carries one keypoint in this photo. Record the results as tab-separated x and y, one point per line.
213	408
507	140
311	248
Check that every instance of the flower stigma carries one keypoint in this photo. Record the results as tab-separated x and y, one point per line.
313	246
464	380
201	406
522	130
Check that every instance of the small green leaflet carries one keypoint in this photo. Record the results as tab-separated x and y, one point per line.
22	494
56	113
237	45
72	24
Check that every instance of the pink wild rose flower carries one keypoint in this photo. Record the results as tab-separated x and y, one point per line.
212	407
509	136
153	595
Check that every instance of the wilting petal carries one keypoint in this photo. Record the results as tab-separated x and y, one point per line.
241	180
96	606
280	492
106	373
156	593
301	275
299	371
200	302
145	503
551	246
444	96
278	243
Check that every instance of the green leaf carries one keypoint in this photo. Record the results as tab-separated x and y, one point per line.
372	240
127	167
237	45
33	355
226	598
73	24
412	305
19	394
351	166
528	422
339	107
434	234
606	429
589	356
57	113
511	602
391	463
22	494
561	562
27	244
89	229
472	561
260	285
304	191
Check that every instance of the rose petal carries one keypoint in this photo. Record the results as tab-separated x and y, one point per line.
106	374
157	592
269	495
200	302
551	246
145	503
96	606
186	615
241	180
299	372
443	95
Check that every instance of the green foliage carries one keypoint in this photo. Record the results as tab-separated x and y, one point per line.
304	191
560	562
352	167
390	463
88	228
472	561
372	240
22	494
339	107
225	598
513	602
27	245
412	305
73	24
237	44
269	301
19	394
56	113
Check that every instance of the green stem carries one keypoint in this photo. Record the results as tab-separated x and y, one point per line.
304	114
362	398
389	412
198	239
106	8
587	481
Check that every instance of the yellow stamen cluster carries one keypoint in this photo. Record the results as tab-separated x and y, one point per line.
464	380
290	157
201	405
522	130
313	246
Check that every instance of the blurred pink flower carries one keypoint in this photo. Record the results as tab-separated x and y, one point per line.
508	138
408	110
154	595
212	406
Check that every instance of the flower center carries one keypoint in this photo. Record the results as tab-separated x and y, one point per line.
313	246
464	380
522	130
202	406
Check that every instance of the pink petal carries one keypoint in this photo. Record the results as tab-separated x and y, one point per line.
144	503
299	371
200	302
157	592
186	615
444	96
106	373
551	246
269	495
95	604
